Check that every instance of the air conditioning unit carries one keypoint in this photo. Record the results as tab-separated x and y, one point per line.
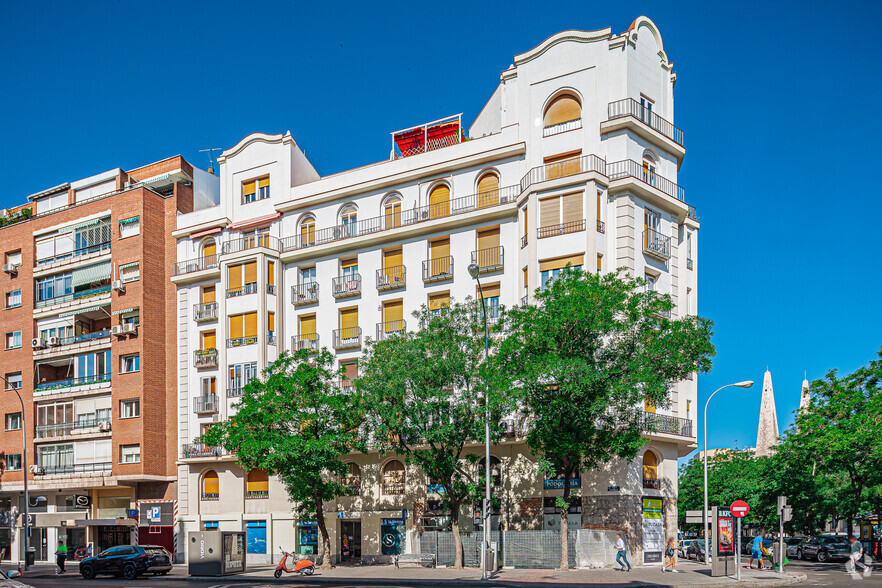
10	268
38	343
36	469
54	341
130	328
104	426
118	286
117	330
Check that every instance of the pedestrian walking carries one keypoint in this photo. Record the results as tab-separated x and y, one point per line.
857	555
60	556
670	556
622	554
756	550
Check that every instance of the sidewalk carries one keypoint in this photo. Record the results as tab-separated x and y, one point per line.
691	575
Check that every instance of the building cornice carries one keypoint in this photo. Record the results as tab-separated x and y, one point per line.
562	37
220	222
278	139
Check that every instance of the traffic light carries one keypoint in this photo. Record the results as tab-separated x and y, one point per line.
786	514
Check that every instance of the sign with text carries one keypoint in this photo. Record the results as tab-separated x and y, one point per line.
653	530
739	509
559	484
725	541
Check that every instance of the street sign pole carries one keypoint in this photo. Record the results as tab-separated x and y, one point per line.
738	553
739	510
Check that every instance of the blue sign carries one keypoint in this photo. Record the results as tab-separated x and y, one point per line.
393	521
435	488
559	484
133	512
308	523
613	488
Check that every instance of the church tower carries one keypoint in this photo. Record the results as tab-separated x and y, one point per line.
767	434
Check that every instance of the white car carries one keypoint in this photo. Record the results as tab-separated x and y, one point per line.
6	580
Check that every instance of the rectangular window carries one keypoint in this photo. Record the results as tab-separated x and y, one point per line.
549	212
307	275
129	227
257	189
491	299
271	273
130	272
549	269
14	258
242	279
599	263
650	281
54	286
13	421
271	327
243	327
209	340
13	462
13	340
240	375
349	267
131	363
131	317
130	453
130	409
13	299
439	302
14	381
208	295
209	386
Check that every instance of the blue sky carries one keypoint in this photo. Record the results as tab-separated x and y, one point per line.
777	101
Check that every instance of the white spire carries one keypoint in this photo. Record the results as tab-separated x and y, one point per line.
804	400
767	434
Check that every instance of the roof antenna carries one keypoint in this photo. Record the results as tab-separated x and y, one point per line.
210	151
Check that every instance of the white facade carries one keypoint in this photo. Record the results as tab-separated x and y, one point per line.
598	209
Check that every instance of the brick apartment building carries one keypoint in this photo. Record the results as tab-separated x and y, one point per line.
86	312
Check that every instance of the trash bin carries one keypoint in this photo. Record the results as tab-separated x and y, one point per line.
30	556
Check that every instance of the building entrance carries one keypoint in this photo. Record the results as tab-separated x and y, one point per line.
350	540
76	539
111	536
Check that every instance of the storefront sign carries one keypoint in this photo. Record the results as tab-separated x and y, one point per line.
394	521
435	488
559	484
653	530
349	515
307	523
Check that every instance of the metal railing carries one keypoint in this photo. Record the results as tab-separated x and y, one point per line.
348	338
205	404
200	450
88	293
656	244
70	382
407	217
389	328
689	264
271	289
569	125
249	288
440	268
306	293
205	312
256	494
561	229
309	341
205	358
391	277
630	107
195	265
692	213
662	423
76	468
420	139
242	341
490	259
651	483
523	241
75	253
80	338
65	429
270	337
344	286
209	496
251	242
633	169
560	169
601	227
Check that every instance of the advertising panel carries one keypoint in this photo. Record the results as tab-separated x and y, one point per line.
725	533
653	530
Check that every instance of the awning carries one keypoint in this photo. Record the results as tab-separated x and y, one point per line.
255	221
74	228
205	233
125	310
128	265
126	221
98	272
83	310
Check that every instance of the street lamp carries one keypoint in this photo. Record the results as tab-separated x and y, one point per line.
474	270
24	470
744	384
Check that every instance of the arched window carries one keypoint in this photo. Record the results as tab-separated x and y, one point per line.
439	201
352	480
650	470
307	231
495	471
488	190
650	164
392	212
210	486
209	253
257	485
349	220
565	108
393	478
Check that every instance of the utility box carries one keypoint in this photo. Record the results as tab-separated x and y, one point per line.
216	553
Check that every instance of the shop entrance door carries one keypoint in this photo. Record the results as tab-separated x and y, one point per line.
107	537
76	539
350	540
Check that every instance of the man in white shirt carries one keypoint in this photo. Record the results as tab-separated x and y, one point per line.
622	555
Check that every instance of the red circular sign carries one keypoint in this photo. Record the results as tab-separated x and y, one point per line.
739	509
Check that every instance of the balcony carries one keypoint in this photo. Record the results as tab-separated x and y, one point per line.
438	269
72	428
271	289
205	404
346	286
270	337
689	264
523	241
349	338
209	496
78	468
79	295
390	328
656	245
692	213
562	169
570	125
189	450
205	358
601	227
72	255
651	484
662	423
249	288
256	494
251	242
196	265
489	260
391	278
72	382
309	341
633	169
242	341
205	312
561	229
411	216
631	108
62	341
306	293
427	137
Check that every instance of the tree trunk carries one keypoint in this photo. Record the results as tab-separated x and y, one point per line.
323	529
457	538
564	524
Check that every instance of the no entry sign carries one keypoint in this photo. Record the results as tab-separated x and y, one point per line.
739	509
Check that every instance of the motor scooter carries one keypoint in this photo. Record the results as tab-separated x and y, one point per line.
303	567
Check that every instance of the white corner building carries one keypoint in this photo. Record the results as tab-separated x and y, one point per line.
573	159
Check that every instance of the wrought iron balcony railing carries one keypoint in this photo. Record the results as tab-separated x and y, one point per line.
561	229
195	265
391	278
633	169
489	260
630	107
561	169
242	341
249	288
205	404
656	244
345	286
251	242
601	227
200	450
390	328
205	358
308	341
440	268
205	312
306	293
569	125
348	338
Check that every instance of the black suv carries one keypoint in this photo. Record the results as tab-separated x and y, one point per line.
128	561
823	548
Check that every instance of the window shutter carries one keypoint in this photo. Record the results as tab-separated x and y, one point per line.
234	277
572	207
439	301
271	322
393	311
392	259
250	272
210	250
440	248
562	109
392	211
561	262
210	483
439	201
250	323
488	239
490	291
209	339
350	370
249	188
271	273
549	212
263	183
349	318
236	326
307	325
348	263
488	190
208	295
258	480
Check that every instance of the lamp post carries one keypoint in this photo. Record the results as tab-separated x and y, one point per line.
474	270
744	384
24	470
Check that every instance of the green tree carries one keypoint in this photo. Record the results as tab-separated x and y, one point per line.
591	350
427	390
297	422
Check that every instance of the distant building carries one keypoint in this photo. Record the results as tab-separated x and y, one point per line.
767	433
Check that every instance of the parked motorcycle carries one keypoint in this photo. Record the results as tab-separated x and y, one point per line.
304	567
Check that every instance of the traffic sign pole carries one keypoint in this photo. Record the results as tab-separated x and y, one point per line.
738	554
739	510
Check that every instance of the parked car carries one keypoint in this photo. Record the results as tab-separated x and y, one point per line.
7	581
128	561
823	548
792	544
684	545
696	550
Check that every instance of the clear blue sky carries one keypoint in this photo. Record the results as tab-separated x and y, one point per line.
778	104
